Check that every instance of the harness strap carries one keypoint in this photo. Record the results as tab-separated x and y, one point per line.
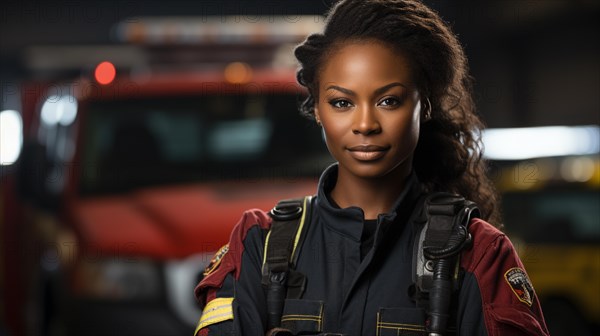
281	281
441	237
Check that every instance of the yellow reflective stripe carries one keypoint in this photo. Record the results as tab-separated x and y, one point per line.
400	325
217	310
300	227
265	251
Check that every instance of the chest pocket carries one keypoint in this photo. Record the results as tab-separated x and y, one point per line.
302	316
403	321
400	321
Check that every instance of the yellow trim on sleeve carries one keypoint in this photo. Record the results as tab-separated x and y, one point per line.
217	310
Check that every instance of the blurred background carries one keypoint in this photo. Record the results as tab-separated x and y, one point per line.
133	135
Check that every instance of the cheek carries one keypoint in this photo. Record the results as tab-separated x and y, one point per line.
414	135
330	127
333	135
330	142
412	124
415	122
415	128
330	136
408	130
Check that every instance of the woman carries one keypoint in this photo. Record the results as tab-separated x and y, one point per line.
388	84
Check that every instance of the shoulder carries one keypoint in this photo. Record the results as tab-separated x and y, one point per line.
253	218
510	305
492	259
496	266
487	241
246	236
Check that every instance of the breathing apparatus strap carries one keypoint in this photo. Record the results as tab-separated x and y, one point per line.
442	233
282	246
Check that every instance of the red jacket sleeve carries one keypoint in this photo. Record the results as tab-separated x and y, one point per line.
230	292
508	300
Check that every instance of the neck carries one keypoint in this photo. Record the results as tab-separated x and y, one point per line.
373	195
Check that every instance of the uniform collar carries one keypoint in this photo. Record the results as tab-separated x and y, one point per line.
349	221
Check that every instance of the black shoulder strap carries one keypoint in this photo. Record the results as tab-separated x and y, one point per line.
441	234
282	246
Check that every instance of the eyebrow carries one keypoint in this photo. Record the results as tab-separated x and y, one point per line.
377	91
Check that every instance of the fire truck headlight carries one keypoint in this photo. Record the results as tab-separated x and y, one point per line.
11	136
59	110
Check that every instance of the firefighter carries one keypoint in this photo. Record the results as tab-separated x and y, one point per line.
388	83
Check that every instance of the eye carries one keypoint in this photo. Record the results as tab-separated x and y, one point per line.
390	102
340	103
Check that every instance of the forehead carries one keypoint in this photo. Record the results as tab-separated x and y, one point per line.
365	62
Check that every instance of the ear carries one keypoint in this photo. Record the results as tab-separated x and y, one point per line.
425	109
317	115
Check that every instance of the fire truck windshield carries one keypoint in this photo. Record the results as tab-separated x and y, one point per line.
134	143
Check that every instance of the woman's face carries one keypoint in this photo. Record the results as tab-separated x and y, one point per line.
369	109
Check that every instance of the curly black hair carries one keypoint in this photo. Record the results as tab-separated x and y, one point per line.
448	156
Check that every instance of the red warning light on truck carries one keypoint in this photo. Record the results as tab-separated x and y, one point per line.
105	73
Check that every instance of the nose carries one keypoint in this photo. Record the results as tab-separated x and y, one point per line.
366	122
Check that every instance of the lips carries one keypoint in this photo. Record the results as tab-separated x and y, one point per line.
367	152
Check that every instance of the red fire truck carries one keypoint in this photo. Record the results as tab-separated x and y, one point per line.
129	181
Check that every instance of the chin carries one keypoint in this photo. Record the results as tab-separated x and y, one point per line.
394	163
372	169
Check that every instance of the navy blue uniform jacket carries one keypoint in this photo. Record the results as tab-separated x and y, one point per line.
350	296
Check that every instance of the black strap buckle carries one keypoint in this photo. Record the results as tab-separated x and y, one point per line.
286	211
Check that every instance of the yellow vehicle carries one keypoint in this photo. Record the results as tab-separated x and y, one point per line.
551	209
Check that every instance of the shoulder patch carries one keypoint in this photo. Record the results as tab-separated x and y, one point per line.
216	260
520	285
